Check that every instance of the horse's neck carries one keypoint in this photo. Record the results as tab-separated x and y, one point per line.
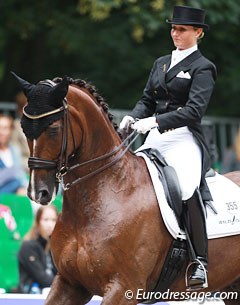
98	134
90	199
86	197
98	138
98	142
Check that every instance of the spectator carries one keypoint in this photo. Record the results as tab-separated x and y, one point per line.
18	136
231	157
12	176
34	257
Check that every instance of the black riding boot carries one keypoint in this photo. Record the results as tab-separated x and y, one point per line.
198	235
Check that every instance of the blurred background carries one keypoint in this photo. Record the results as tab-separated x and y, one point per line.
112	44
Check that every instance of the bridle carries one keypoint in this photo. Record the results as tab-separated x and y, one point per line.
61	164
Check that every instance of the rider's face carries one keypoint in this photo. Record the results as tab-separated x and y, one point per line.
185	36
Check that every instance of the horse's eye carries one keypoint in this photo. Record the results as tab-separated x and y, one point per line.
54	129
55	124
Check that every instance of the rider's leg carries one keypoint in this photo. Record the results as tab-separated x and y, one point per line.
182	152
199	239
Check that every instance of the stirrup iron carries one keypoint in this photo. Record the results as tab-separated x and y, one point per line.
200	286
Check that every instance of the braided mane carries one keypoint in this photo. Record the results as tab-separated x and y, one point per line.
93	92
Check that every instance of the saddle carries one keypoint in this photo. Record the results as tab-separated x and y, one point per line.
169	179
170	182
178	251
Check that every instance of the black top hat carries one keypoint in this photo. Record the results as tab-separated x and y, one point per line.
186	15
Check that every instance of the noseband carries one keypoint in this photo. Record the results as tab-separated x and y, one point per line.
61	164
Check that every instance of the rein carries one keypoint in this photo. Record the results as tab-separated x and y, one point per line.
61	164
91	174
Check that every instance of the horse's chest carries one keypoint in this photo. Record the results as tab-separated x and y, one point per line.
77	260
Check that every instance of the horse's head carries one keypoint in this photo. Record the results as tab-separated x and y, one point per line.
45	124
63	123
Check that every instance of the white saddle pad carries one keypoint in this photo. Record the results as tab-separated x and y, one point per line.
226	200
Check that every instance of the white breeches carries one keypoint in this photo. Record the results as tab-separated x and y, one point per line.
180	150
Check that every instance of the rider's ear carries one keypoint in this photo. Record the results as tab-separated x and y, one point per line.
26	86
59	92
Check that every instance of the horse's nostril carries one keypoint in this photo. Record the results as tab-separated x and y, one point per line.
44	197
44	193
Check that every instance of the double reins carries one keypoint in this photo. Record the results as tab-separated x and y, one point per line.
61	164
130	139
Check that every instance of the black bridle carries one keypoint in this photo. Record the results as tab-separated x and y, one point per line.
61	164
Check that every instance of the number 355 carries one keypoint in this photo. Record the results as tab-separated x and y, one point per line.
232	206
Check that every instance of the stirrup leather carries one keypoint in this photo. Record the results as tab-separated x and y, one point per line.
200	286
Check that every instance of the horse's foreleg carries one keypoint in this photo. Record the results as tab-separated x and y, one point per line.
116	294
62	293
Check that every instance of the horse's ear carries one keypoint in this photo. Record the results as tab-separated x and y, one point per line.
60	91
26	86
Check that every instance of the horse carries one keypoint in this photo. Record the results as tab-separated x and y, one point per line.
110	239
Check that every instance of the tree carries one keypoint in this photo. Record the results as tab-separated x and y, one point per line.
110	43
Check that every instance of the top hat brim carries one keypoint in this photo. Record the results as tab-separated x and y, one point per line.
181	22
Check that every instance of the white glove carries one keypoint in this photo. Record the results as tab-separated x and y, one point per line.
126	121
144	125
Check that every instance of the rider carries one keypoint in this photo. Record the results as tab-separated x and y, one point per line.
177	93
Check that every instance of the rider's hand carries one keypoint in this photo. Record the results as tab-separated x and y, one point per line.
125	123
144	125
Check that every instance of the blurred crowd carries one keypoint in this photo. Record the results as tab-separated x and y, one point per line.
13	151
35	265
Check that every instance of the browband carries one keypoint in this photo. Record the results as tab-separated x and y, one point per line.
48	83
39	116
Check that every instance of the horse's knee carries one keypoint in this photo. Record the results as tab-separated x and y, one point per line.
72	295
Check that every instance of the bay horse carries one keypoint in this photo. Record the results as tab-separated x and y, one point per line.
110	237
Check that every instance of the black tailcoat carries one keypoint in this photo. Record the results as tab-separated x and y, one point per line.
179	101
